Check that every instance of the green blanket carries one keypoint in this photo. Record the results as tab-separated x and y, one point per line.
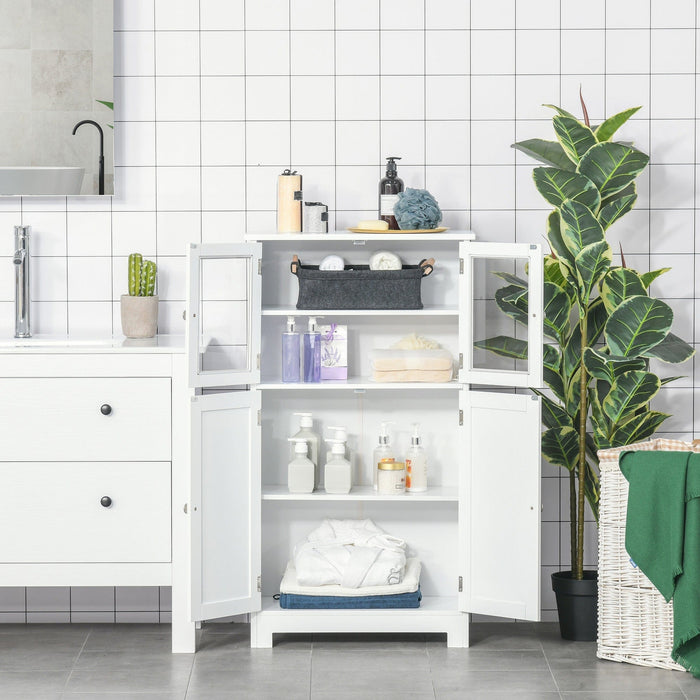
663	538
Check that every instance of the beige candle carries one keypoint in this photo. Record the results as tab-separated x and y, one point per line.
289	202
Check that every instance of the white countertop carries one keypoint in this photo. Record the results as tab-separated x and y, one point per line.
81	344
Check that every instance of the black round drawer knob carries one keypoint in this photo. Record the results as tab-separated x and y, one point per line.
105	409
106	501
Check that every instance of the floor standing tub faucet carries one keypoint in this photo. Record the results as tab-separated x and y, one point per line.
101	183
23	327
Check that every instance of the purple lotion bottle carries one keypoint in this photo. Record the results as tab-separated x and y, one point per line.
312	353
291	353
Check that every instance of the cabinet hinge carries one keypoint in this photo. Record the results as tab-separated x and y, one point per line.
257	361
184	509
461	266
461	361
461	417
259	584
460	585
259	417
260	266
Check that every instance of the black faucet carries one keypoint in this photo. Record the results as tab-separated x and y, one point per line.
101	182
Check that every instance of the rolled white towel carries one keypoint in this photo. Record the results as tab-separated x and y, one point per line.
384	260
332	262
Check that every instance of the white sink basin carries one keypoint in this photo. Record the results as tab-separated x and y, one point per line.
40	180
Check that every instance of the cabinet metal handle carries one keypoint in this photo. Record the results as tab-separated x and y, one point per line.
105	501
105	409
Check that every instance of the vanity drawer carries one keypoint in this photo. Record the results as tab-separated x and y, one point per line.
54	513
86	419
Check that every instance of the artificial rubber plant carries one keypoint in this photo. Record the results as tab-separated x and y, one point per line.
602	327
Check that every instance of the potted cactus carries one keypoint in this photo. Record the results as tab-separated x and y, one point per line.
139	308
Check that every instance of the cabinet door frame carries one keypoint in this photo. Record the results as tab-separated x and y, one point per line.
500	530
251	600
468	374
252	253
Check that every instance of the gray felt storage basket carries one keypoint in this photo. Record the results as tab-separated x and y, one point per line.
358	287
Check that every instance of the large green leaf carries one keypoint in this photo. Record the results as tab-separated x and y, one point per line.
579	227
605	131
591	490
619	284
637	325
557	309
556	241
597	318
592	263
609	368
554	275
553	414
599	420
612	166
560	446
575	138
505	346
671	349
629	393
624	192
561	111
556	186
554	381
551	357
512	279
637	428
617	208
512	301
548	152
649	277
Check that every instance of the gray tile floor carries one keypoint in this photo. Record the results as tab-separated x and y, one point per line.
119	662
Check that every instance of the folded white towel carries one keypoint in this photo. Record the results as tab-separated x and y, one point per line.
353	553
410	583
384	260
332	262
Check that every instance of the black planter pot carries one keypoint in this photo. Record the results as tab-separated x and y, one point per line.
577	604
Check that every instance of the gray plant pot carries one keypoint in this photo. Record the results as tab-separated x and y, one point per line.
139	316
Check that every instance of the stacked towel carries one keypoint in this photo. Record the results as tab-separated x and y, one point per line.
397	365
351	564
398	595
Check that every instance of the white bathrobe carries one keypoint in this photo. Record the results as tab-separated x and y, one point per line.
350	553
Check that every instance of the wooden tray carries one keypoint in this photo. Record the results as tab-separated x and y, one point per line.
439	229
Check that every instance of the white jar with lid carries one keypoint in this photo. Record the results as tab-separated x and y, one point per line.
391	478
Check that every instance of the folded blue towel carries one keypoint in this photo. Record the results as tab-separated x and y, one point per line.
291	601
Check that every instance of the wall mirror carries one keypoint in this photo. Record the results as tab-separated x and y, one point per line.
56	97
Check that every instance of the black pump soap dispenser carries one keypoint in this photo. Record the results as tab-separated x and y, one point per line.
389	188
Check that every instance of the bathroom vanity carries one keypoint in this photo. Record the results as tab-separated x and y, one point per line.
93	456
476	529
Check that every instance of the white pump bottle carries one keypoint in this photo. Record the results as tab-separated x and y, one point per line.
337	476
300	472
306	432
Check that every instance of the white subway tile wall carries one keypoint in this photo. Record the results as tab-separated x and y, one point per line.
215	97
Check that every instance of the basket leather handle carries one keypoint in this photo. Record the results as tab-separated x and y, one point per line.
427	266
294	265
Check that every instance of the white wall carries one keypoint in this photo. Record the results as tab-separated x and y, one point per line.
215	97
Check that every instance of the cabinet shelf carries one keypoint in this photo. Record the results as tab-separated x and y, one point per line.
426	311
356	384
429	605
279	492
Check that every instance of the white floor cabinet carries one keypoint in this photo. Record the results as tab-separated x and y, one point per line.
477	528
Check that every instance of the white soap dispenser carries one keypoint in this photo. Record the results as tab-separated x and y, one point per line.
338	472
306	432
300	471
383	452
416	464
339	433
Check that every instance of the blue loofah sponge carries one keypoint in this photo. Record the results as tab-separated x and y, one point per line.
417	209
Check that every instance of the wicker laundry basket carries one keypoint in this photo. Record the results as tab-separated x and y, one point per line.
635	624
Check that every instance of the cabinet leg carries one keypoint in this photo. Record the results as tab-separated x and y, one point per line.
458	636
260	636
184	635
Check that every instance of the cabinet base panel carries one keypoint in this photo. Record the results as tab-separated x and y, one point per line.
436	615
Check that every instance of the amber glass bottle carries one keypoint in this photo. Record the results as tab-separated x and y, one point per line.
389	188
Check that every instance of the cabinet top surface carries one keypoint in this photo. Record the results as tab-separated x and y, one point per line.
160	344
273	236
